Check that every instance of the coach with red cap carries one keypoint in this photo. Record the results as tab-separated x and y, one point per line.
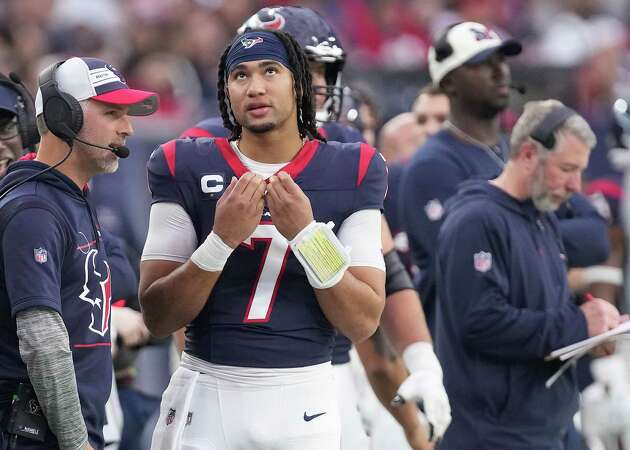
55	284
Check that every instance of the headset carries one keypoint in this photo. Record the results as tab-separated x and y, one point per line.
62	112
544	133
25	110
64	118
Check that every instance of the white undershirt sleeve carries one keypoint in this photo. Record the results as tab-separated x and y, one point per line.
171	234
362	233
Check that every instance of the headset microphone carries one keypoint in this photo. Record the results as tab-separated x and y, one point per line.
520	88
121	151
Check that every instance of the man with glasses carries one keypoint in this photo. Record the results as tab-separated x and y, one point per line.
11	148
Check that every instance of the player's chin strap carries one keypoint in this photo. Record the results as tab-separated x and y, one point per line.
322	255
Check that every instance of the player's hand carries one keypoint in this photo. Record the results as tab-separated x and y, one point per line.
290	208
600	316
130	326
425	388
239	209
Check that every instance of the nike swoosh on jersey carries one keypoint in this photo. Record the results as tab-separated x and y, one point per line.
308	418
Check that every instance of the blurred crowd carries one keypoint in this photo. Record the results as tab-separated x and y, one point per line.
172	46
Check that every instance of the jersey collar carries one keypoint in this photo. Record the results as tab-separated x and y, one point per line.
293	167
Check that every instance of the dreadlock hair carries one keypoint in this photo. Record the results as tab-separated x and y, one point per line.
302	83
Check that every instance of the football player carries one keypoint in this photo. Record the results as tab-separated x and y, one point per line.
403	318
262	244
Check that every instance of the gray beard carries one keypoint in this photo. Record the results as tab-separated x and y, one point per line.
544	203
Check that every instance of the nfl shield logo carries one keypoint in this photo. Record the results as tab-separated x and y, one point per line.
170	416
434	210
41	255
483	261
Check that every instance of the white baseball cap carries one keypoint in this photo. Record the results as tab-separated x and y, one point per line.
91	78
466	43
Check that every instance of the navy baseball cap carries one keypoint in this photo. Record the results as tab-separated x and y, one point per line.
94	79
8	99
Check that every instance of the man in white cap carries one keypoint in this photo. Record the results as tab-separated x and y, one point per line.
55	294
468	62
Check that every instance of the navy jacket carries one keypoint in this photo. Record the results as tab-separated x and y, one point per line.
433	176
53	256
504	304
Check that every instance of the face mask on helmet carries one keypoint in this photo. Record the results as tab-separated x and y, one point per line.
319	42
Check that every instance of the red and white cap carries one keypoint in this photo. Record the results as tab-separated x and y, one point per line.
91	78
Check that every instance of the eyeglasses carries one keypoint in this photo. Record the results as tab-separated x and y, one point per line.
9	130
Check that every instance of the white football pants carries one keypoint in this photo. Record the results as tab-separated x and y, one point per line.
214	407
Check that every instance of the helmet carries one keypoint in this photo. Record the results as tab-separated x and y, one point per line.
319	42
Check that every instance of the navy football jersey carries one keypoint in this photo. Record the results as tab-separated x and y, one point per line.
392	215
53	257
332	131
212	127
262	311
335	131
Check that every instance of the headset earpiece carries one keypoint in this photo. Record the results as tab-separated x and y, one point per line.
25	111
26	114
62	112
544	133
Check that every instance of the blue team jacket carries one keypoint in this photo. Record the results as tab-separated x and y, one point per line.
433	176
503	304
52	255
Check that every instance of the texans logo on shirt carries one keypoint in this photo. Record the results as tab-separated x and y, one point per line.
97	291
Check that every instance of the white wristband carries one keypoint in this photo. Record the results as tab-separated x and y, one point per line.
322	255
212	254
603	274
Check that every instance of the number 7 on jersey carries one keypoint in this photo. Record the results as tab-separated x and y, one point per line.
270	271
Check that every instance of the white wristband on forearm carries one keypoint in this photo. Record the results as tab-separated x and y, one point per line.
212	254
603	274
322	255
